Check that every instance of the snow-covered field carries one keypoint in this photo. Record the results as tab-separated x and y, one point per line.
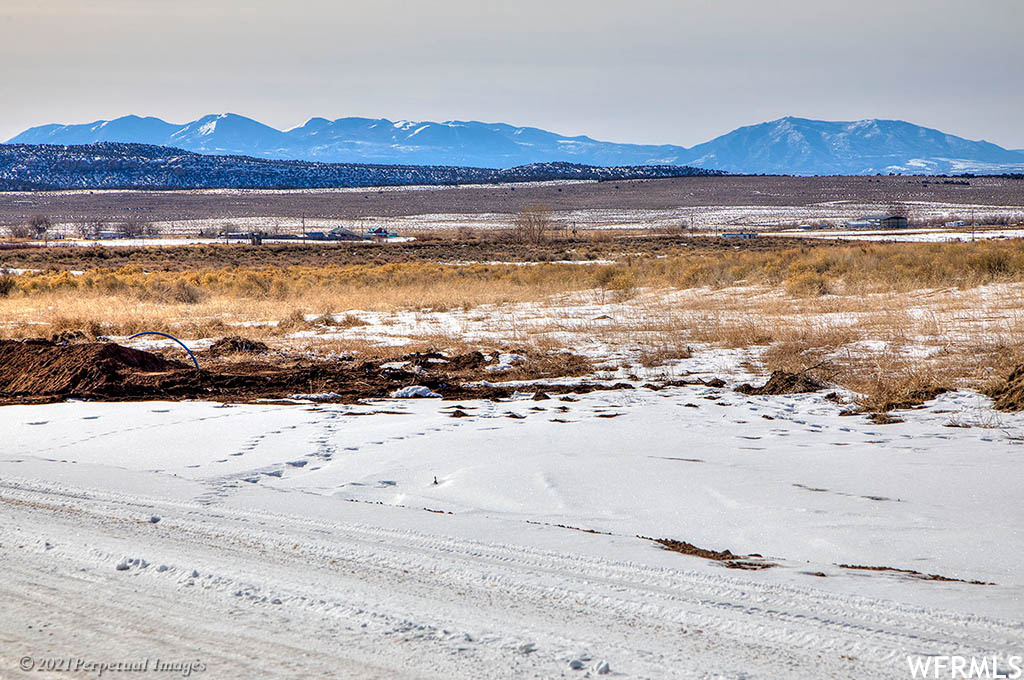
700	218
708	217
929	235
311	540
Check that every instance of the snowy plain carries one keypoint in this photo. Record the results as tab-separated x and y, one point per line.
432	538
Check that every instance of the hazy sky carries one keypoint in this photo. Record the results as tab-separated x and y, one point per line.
652	71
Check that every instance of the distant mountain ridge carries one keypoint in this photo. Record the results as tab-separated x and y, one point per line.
799	146
113	165
785	146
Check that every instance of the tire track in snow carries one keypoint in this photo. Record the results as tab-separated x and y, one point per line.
417	585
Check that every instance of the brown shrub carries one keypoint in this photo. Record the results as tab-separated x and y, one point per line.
807	284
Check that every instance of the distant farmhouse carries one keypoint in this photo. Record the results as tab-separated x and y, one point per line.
878	222
379	234
336	234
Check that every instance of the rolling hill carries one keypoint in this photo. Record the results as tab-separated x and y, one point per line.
112	165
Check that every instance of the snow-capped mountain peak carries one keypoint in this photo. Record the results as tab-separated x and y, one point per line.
788	145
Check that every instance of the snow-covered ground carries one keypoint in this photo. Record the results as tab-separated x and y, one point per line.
700	218
929	235
390	539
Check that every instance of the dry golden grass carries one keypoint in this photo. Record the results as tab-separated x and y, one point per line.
885	320
842	270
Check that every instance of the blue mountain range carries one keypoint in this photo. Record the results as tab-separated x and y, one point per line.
788	145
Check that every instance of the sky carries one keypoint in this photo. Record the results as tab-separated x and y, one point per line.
644	71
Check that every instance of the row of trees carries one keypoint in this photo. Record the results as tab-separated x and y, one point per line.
39	226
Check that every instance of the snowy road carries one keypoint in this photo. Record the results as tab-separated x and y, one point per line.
124	540
257	594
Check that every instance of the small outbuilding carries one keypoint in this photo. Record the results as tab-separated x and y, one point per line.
336	234
886	221
379	234
342	234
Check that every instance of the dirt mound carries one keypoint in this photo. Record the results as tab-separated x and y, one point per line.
41	368
42	371
468	361
1008	394
782	382
236	344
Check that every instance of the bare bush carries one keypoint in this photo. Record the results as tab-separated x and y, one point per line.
38	225
533	225
91	229
133	227
19	231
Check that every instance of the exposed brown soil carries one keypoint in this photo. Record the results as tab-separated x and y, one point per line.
236	344
782	382
725	557
914	574
1008	394
67	337
566	526
36	371
41	368
884	418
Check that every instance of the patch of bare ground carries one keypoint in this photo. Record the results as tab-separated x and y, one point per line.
38	371
913	574
236	344
566	526
726	558
781	382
